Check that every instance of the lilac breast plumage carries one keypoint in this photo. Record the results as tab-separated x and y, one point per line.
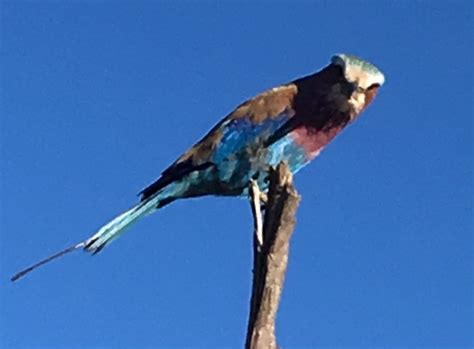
314	141
300	146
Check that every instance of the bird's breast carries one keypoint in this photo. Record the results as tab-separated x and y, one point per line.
314	141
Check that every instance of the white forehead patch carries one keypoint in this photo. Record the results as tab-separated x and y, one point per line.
358	71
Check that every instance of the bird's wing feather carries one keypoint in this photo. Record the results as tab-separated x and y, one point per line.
253	121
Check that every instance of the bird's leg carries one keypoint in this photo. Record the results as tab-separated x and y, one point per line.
255	195
263	199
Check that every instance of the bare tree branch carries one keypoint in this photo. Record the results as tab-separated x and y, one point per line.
271	256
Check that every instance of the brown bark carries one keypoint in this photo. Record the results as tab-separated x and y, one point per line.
270	255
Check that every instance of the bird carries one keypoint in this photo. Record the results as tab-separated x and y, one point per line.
291	123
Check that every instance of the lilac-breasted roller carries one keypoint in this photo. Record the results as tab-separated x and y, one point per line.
291	123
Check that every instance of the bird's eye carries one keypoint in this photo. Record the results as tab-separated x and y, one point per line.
371	87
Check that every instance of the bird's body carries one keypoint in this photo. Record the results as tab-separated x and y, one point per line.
290	123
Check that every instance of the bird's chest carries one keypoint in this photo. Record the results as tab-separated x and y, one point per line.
313	141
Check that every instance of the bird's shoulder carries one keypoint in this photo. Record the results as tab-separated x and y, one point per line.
265	106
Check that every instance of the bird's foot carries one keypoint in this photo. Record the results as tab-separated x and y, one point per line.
255	196
263	199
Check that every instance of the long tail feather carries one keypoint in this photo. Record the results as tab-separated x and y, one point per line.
104	235
46	260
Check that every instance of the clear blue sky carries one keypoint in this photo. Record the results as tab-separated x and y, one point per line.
99	97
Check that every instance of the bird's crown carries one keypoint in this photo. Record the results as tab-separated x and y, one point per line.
358	71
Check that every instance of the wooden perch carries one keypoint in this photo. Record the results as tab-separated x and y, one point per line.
270	248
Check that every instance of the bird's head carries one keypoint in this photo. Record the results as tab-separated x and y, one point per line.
363	77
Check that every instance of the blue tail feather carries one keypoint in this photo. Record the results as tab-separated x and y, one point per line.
119	224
